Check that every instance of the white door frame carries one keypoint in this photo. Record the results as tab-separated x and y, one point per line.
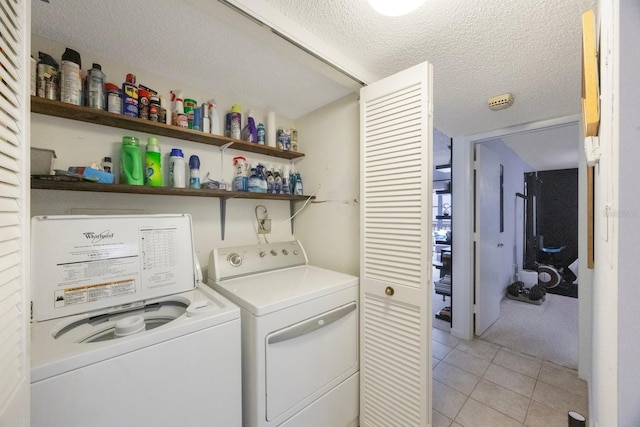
462	200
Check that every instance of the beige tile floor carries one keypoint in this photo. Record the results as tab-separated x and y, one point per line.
481	384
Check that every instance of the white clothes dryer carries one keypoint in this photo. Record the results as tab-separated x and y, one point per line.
299	335
123	333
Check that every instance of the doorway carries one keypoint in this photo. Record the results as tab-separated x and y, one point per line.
462	286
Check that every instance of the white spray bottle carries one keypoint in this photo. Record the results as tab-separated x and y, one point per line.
178	118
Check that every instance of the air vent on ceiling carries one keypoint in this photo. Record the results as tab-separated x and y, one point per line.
500	102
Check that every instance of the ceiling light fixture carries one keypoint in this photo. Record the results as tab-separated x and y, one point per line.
395	7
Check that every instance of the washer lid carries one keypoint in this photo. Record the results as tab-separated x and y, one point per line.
272	291
82	263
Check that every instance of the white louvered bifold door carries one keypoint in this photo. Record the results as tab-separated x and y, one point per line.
395	254
14	212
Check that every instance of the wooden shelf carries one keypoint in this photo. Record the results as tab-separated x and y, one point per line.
443	191
443	216
222	195
46	184
90	115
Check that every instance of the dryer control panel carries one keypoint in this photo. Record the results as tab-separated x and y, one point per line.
238	261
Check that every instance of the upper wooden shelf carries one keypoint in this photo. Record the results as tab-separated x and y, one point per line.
90	115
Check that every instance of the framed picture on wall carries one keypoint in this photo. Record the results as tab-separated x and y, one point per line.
590	112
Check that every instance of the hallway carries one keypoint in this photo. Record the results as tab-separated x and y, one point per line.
481	384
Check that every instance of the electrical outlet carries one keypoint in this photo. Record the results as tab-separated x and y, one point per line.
264	226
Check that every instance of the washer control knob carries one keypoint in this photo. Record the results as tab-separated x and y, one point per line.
262	254
284	252
274	252
234	259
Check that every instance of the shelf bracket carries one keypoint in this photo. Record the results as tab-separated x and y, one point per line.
223	215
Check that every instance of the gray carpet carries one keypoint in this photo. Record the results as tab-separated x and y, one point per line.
548	331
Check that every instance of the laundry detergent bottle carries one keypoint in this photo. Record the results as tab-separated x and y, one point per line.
131	170
153	165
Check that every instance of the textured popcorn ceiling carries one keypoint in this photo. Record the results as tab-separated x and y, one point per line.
479	49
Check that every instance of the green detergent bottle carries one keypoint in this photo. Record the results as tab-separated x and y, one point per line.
131	171
153	165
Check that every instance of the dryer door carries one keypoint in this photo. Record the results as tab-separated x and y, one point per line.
305	360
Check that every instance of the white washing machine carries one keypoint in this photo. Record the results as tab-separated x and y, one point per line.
299	335
123	333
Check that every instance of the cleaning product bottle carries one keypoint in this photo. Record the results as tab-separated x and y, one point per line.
286	188
257	180
106	165
71	77
189	106
213	118
253	186
262	134
240	180
235	122
298	185
292	179
262	179
270	180
277	181
250	131
206	121
153	163
176	168
131	171
194	172
94	88
178	118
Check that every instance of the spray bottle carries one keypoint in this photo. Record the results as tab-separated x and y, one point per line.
178	118
250	131
240	180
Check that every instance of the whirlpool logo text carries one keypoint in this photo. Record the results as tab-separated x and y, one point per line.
97	237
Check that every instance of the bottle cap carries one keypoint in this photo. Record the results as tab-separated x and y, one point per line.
152	140
176	152
236	108
130	140
107	159
97	66
194	162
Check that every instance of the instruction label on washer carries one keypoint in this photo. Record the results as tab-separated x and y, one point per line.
97	264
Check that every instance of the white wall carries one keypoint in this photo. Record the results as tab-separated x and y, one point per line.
78	144
329	228
604	392
629	216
